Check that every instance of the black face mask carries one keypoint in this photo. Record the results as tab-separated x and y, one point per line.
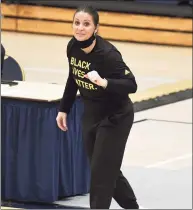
86	43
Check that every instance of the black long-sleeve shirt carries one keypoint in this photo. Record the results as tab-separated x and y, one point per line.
108	62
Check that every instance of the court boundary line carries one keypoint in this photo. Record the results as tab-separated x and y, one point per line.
170	160
161	120
170	121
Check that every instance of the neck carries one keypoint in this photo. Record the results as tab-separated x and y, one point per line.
90	48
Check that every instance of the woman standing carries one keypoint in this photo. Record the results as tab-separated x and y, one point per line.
97	70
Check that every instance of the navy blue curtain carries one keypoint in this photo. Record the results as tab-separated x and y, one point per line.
79	176
39	162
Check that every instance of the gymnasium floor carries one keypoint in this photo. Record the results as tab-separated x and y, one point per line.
158	156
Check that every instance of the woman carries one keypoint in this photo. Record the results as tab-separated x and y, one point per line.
104	81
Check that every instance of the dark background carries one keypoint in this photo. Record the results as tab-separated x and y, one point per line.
173	8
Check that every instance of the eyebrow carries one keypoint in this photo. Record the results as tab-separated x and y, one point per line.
83	21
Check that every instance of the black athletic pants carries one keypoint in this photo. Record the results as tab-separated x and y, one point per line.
105	141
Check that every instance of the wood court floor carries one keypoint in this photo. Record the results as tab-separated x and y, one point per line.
157	68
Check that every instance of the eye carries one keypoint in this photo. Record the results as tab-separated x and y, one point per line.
76	23
86	24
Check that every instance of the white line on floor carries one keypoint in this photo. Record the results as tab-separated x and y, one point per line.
169	161
46	69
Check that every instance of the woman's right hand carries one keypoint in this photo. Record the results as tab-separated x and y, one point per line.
61	120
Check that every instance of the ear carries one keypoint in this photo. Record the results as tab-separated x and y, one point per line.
96	30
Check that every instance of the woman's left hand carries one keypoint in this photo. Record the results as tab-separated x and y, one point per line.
95	78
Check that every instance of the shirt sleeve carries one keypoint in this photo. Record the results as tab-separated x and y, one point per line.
120	78
69	95
70	92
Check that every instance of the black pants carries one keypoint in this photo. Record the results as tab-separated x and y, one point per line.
105	139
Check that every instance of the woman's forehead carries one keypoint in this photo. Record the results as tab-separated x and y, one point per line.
83	16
